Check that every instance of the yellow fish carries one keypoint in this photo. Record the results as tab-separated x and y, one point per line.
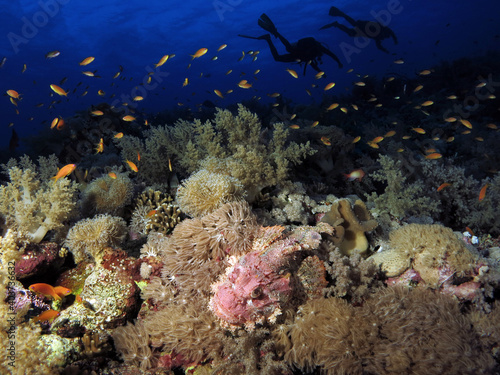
221	47
329	86
87	60
293	73
199	53
58	90
162	61
128	118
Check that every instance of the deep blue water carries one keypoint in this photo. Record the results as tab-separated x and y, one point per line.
136	34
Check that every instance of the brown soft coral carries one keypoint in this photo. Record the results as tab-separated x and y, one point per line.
350	223
33	206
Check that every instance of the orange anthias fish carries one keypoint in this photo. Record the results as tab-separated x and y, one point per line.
482	192
58	90
64	171
357	174
442	186
48	315
434	156
62	291
199	53
100	147
132	166
45	289
112	175
293	73
87	60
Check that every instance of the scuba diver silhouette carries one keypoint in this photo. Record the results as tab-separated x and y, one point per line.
367	29
306	50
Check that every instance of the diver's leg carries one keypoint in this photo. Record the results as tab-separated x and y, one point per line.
274	51
336	12
378	43
351	32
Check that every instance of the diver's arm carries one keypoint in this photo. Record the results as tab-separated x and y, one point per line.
326	51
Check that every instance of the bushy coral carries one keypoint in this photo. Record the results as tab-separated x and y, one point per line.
204	191
89	238
400	198
33	206
106	195
237	146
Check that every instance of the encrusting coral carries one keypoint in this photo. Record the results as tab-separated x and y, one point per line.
33	206
204	191
91	237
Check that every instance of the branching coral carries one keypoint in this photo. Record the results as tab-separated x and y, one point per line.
33	206
204	191
91	237
400	198
237	146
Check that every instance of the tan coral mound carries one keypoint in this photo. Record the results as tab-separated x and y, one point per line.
204	192
106	195
427	247
91	237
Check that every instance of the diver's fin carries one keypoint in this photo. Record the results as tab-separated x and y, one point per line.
268	25
336	12
266	36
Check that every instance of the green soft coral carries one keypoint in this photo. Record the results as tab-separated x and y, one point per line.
237	145
32	206
400	198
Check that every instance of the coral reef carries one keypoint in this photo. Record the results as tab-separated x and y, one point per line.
204	192
132	342
39	259
154	212
350	223
33	206
89	238
106	195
